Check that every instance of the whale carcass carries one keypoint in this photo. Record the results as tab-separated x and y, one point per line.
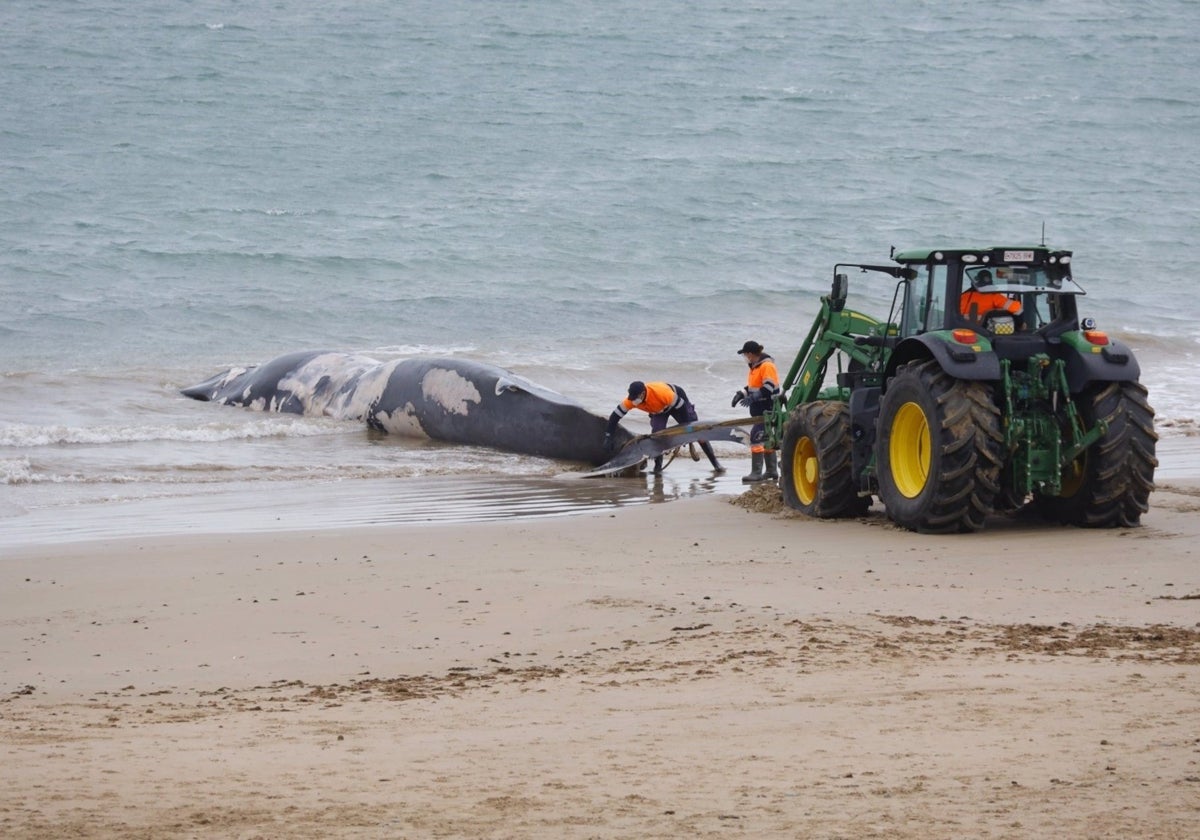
447	399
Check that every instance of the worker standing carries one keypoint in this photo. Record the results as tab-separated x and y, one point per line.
662	401
762	386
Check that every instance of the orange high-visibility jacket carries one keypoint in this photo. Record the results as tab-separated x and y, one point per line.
764	375
985	302
659	397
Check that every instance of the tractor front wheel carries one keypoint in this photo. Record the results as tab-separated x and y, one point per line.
816	475
939	450
1108	486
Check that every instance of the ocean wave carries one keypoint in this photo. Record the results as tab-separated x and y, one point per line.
18	472
404	350
22	471
1182	427
23	436
1168	345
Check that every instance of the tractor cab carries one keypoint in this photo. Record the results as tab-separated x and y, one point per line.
998	291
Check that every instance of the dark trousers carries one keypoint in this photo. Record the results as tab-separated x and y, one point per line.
758	432
685	413
682	414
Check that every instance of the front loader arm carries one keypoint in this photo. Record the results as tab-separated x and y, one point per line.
834	330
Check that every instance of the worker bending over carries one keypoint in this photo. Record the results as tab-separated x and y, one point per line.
662	401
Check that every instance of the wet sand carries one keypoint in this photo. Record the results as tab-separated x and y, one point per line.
691	669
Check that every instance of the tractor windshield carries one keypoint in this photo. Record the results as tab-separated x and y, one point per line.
1021	279
1034	294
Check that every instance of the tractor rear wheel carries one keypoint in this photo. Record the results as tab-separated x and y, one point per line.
939	450
1108	486
816	476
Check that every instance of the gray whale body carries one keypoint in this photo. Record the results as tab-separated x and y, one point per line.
453	400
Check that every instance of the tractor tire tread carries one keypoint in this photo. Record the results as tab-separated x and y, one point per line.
827	424
1119	468
968	442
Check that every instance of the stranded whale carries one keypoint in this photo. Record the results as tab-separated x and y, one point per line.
453	400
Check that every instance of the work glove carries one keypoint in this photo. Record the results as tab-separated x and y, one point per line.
608	442
739	398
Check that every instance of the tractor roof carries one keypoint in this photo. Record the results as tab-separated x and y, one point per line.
920	255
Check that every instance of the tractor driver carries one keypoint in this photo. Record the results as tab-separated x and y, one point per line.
975	303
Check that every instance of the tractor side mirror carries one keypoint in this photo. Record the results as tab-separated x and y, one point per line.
837	295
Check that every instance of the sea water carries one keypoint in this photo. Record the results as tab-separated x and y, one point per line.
584	193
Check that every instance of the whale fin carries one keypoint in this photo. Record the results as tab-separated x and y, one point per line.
644	447
504	383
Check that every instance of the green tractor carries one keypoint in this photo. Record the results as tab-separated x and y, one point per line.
982	391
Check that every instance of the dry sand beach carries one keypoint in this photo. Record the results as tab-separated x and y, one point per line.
703	668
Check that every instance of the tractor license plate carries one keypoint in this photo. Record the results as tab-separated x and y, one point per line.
1018	256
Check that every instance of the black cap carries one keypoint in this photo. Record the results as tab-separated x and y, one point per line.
750	347
636	389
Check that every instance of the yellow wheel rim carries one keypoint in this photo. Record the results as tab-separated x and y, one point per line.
1072	476
909	450
804	470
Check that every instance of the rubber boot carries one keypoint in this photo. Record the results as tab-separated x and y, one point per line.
712	456
772	473
658	465
756	465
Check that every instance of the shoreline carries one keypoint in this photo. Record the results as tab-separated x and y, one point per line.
658	670
288	506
